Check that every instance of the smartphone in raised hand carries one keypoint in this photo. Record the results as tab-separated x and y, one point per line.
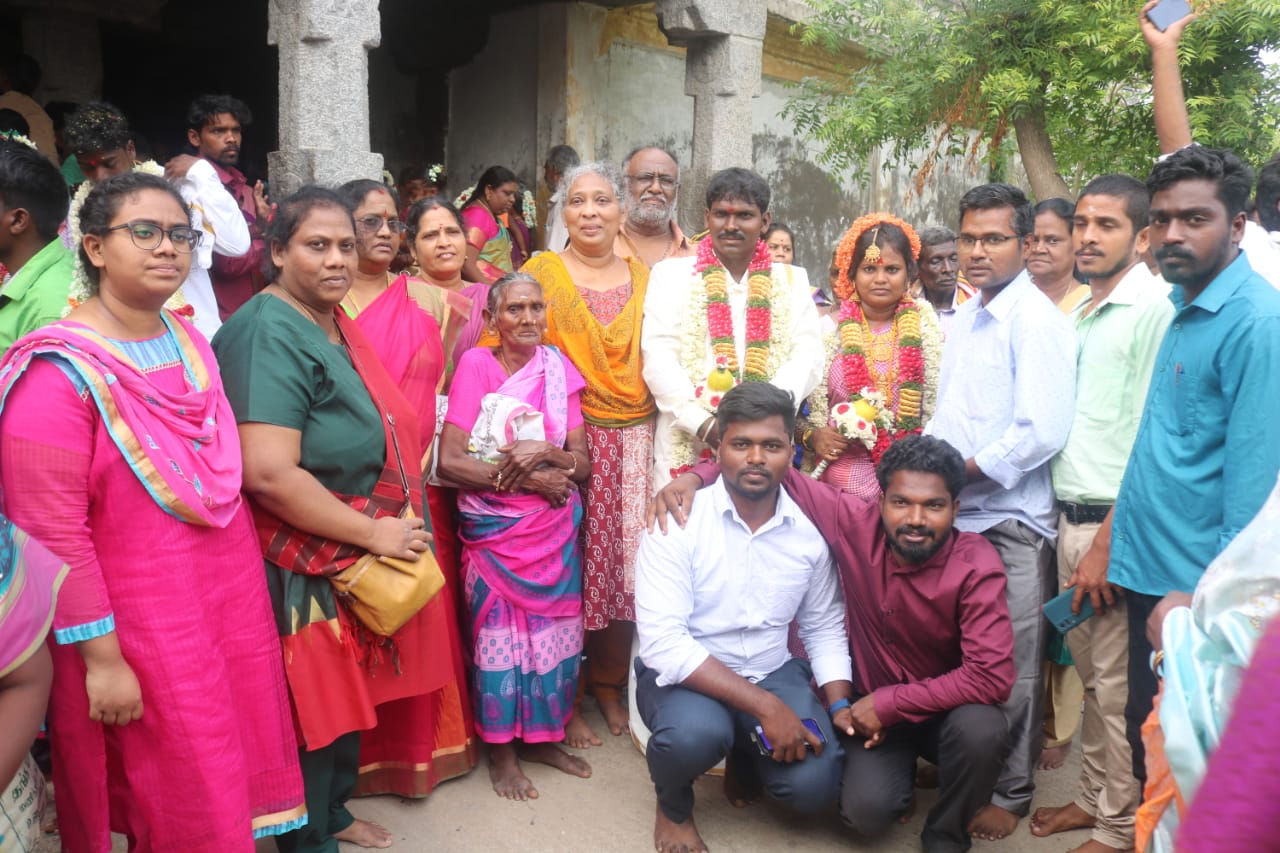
1167	12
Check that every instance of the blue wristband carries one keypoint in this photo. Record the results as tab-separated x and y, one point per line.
838	705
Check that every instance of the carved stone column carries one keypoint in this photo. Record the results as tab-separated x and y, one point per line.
724	40
324	92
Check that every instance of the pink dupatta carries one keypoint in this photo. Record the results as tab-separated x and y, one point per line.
182	447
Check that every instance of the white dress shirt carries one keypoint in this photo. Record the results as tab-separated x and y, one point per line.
1263	249
214	212
1006	399
666	306
715	589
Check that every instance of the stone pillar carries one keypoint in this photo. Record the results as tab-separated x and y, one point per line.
724	40
324	92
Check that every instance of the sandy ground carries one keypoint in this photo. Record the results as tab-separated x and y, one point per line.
614	811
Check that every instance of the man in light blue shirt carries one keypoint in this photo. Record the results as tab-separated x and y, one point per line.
714	600
1208	446
1005	401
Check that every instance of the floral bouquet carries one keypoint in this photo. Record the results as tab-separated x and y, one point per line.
860	419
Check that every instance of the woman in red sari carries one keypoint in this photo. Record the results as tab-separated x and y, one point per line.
422	740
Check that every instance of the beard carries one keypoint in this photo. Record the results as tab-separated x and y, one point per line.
913	553
651	215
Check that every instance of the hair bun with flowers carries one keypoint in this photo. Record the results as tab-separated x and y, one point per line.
844	252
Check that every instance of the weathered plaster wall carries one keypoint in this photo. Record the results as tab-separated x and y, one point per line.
493	104
606	81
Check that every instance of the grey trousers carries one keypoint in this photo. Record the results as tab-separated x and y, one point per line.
692	732
1027	559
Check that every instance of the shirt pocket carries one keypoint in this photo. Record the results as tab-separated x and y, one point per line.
1179	408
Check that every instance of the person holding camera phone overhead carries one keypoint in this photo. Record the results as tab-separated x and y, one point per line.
929	631
714	599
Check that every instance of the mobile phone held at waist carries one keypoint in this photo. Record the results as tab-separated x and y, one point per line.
1058	611
766	748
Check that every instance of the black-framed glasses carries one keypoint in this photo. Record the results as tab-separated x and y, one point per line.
373	224
148	236
644	179
991	241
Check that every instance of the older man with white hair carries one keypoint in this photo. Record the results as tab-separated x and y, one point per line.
650	232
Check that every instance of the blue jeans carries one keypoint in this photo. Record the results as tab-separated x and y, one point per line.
693	732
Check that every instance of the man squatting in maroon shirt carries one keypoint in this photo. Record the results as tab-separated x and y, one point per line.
929	635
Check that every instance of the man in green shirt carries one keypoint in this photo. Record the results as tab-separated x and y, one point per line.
1119	327
33	203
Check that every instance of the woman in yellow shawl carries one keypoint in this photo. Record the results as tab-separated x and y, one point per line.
594	301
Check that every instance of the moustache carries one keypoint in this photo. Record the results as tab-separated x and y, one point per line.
732	235
907	530
1170	252
755	469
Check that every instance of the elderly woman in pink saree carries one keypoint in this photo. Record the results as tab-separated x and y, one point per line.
118	451
514	442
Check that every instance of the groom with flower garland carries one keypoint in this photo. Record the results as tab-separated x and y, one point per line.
726	316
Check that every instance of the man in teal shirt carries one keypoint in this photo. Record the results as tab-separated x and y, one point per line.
1208	447
33	203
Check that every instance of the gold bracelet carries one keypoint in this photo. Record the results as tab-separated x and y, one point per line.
574	469
1157	663
806	439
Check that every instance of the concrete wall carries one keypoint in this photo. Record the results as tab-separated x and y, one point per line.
493	104
607	81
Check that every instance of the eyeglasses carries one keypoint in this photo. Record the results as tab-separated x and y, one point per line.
991	241
148	236
644	179
373	224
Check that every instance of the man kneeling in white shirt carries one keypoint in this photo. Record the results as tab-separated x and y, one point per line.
713	602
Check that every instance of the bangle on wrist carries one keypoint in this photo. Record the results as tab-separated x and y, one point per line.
806	439
705	429
837	706
1157	664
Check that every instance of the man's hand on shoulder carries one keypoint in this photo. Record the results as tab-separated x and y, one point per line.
865	721
177	167
675	499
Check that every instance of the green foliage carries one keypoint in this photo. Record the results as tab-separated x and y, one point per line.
950	76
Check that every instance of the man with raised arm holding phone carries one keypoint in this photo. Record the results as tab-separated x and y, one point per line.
930	636
714	600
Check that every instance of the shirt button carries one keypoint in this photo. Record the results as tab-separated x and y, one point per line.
1177	327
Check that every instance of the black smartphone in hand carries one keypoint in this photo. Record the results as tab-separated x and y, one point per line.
765	748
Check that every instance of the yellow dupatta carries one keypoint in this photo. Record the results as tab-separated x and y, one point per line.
607	356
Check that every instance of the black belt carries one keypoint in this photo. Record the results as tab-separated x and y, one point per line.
1084	513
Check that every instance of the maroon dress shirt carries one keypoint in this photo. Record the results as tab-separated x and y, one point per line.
236	280
923	639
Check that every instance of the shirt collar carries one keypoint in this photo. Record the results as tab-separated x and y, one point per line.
1006	300
1128	291
1221	289
226	174
785	511
20	282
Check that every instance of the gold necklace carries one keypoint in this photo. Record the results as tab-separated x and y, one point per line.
502	357
306	312
351	294
671	241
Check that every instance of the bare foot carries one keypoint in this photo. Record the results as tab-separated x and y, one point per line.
1053	757
740	791
508	779
1093	846
553	756
672	837
927	776
992	823
615	714
365	833
1046	821
578	734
